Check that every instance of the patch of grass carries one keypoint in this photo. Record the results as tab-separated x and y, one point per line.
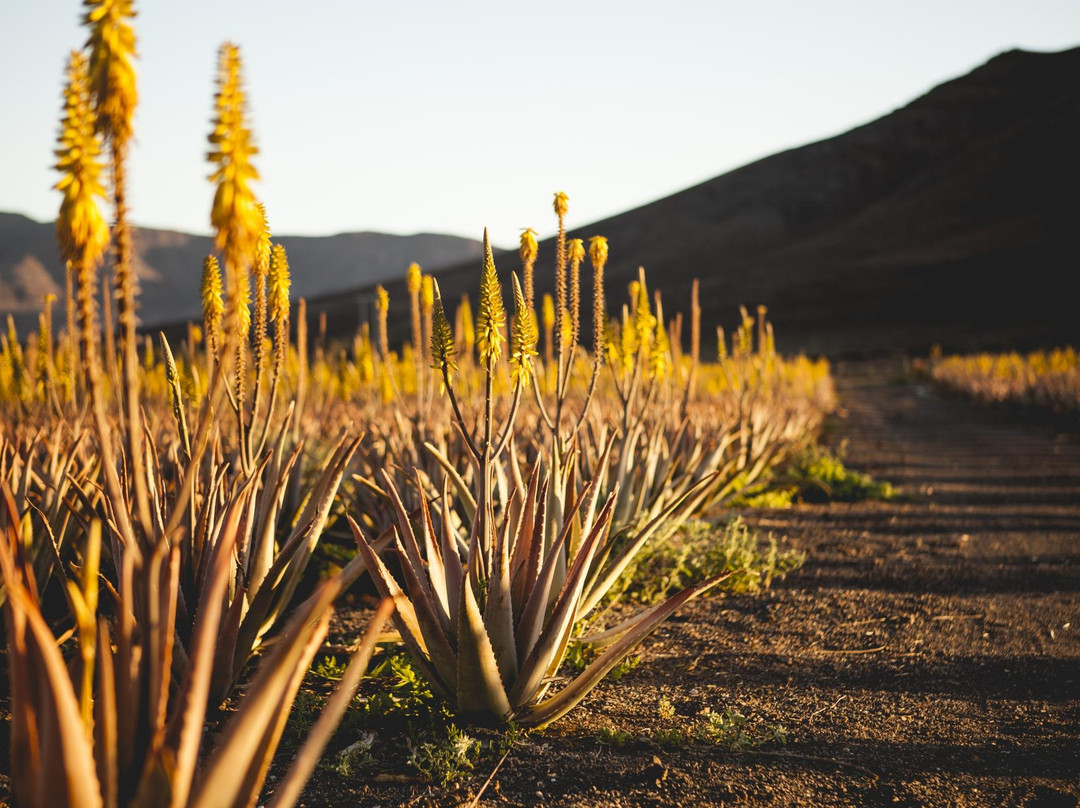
703	548
819	475
614	737
330	669
765	495
734	732
728	729
815	475
444	758
396	692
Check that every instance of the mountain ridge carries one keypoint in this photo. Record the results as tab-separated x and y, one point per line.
948	220
169	265
899	233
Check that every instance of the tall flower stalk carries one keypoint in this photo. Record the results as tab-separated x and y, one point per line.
236	216
113	87
83	236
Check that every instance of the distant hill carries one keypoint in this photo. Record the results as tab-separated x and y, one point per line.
169	265
953	220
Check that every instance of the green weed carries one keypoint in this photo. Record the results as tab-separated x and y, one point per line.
444	758
702	549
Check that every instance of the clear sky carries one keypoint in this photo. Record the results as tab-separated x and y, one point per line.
448	116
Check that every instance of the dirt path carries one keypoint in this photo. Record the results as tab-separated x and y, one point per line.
927	654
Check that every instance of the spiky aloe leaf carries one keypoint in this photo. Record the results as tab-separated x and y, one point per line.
480	692
187	722
290	789
53	716
499	609
605	575
566	699
443	677
547	652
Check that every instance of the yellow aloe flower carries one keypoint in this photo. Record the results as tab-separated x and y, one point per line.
112	74
427	293
660	354
523	337
561	203
465	322
491	318
382	307
81	229
442	336
598	251
575	250
529	247
262	245
278	293
413	278
548	312
235	214
212	303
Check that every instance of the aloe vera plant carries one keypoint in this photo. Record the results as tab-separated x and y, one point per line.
491	592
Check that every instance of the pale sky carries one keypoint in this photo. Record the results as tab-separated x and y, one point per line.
445	117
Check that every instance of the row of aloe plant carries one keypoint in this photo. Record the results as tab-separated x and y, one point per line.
172	566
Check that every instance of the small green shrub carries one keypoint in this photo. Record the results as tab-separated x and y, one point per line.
819	475
702	549
733	731
614	737
445	758
355	758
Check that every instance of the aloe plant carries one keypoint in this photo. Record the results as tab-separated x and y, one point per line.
491	592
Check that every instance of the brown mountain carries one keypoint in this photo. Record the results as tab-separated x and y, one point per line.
953	220
169	265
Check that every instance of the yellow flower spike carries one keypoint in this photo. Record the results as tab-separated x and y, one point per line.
261	268
262	245
560	203
629	344
442	336
523	337
467	327
279	283
547	319
427	293
112	74
212	303
598	253
491	318
644	321
567	330
576	254
575	250
548	313
382	307
235	214
613	343
413	278
529	248
660	354
81	229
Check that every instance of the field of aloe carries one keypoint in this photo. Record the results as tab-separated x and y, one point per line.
178	521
